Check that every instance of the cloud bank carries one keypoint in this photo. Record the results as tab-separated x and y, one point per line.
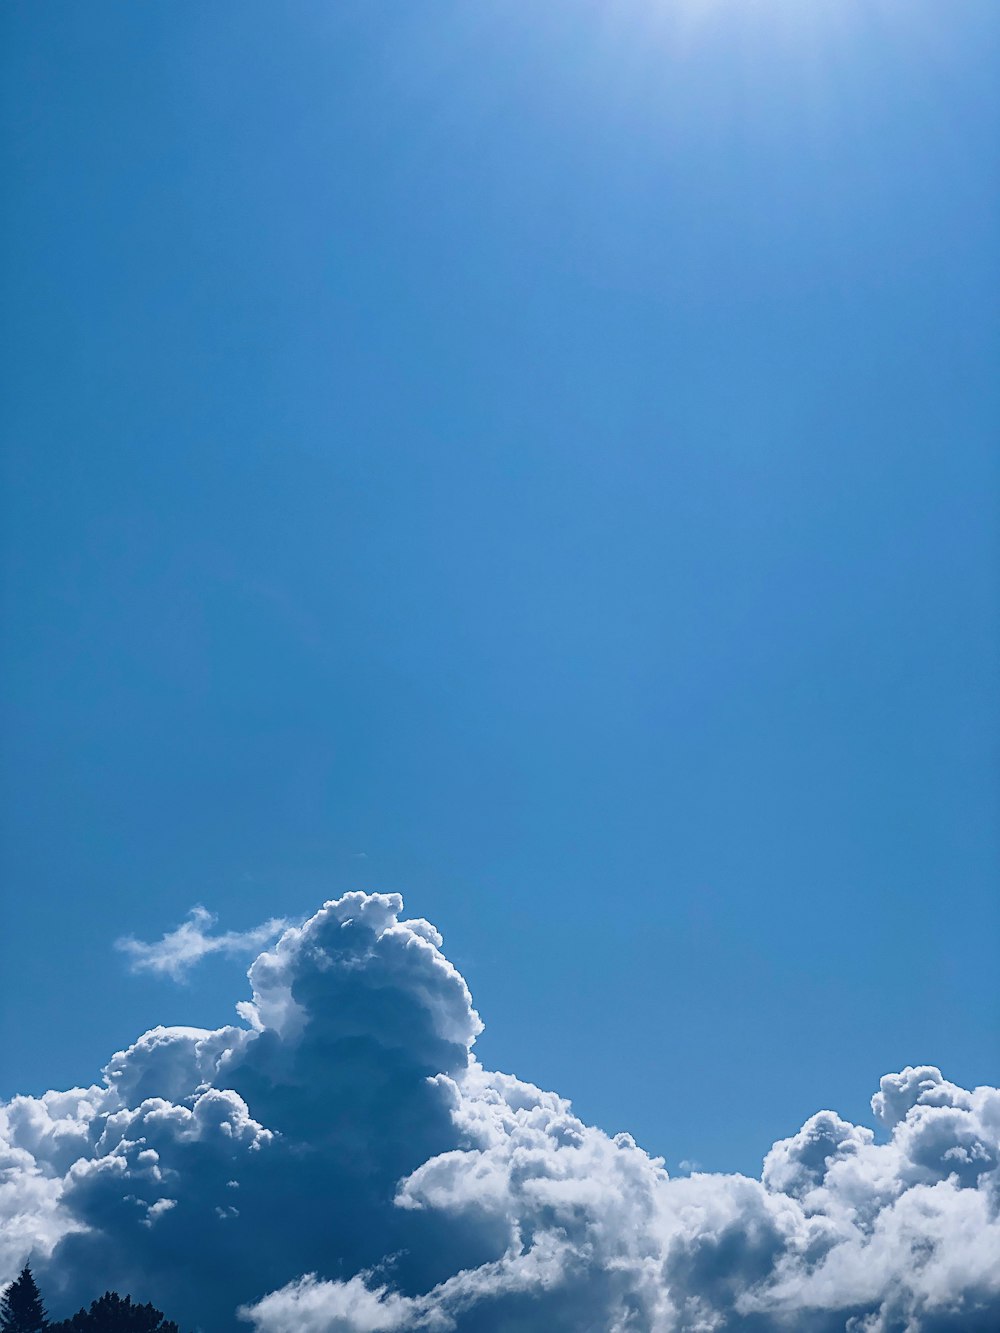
339	1160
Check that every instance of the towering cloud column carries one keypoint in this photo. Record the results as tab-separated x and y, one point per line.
340	1161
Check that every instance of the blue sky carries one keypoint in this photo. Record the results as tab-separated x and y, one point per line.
537	458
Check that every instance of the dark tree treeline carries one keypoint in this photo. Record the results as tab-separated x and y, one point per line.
22	1311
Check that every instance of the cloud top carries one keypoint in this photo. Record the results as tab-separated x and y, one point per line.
340	1160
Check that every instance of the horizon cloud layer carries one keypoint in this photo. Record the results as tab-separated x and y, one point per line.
340	1161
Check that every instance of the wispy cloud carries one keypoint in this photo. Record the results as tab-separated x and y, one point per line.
176	952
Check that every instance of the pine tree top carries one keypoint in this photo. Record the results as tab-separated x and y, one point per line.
21	1309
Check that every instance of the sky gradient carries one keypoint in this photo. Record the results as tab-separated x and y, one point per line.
540	459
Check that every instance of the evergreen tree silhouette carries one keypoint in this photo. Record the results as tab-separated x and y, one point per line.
115	1314
21	1309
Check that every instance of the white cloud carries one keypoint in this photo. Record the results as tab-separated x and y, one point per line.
178	950
343	1163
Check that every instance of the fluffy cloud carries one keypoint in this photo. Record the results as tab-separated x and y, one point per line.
341	1161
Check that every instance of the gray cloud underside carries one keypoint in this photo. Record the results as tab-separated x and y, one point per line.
340	1161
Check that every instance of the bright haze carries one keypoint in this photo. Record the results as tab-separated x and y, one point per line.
540	460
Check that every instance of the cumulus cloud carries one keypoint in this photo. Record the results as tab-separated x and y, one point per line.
176	952
340	1160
